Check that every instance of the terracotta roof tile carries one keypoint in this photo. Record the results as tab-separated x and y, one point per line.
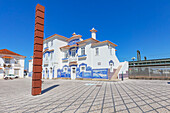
8	52
56	35
94	44
87	40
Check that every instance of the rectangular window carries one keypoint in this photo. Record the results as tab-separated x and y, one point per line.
51	43
16	72
47	44
51	55
7	60
97	51
46	57
16	61
83	51
73	53
65	54
111	51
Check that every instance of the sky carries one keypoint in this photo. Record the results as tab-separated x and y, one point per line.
131	24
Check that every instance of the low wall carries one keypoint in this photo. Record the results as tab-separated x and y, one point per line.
150	77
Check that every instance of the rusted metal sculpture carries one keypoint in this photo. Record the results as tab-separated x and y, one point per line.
38	50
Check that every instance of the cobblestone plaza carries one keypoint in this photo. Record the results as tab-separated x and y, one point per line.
80	96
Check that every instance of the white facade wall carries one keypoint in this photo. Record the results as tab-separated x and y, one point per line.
92	60
104	57
13	66
30	68
56	61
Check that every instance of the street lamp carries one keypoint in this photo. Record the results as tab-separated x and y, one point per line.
133	58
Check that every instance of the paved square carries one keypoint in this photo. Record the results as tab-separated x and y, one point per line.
69	96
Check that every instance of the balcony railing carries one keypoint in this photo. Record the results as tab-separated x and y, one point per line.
7	65
17	65
72	59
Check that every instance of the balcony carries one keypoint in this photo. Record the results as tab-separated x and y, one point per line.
46	48
65	59
82	57
17	65
7	65
72	59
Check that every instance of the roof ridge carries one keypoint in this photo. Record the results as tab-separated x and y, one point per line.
55	35
6	51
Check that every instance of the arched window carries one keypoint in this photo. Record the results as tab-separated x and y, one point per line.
82	68
65	69
111	64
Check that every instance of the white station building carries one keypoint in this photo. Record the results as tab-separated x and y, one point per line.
76	58
11	63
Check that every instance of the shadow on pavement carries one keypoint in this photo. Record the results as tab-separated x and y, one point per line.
48	89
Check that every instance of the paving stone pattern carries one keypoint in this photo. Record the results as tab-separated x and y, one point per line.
79	96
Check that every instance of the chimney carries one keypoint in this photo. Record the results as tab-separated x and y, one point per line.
74	34
93	33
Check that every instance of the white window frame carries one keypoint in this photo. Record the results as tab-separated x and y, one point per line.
82	70
16	71
65	54
51	43
65	69
73	55
111	67
83	51
47	44
111	51
51	55
16	61
46	57
7	60
97	51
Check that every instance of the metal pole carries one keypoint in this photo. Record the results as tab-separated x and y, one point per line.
149	71
122	75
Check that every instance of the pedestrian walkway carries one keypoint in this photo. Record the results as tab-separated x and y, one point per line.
69	96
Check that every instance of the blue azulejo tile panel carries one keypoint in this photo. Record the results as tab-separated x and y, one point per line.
61	74
87	74
84	74
100	73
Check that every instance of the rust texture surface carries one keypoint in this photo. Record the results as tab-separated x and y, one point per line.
38	50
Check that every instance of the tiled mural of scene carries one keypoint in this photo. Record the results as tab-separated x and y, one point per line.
83	71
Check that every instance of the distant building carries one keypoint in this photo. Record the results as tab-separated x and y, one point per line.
11	63
151	69
76	58
148	63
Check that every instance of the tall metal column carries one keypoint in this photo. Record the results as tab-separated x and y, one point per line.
38	50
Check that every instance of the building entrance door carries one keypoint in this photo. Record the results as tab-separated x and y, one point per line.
73	73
